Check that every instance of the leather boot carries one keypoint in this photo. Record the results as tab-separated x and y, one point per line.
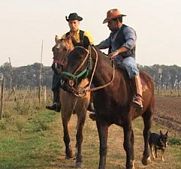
138	100
52	107
56	106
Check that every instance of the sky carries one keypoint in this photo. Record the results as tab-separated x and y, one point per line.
25	24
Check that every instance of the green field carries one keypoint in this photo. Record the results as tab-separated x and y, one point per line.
35	142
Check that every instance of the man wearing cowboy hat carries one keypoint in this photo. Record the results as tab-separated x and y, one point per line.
79	38
122	44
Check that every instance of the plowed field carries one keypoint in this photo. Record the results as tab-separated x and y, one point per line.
168	112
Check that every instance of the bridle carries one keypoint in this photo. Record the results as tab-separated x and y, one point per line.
74	77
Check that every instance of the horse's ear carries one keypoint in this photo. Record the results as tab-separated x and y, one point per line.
161	132
56	39
166	133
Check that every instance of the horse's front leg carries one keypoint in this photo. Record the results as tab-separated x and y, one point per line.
103	135
129	145
68	149
79	138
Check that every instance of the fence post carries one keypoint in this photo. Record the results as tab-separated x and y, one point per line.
39	95
40	74
45	95
2	95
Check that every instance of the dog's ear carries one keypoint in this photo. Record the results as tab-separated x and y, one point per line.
166	133
161	132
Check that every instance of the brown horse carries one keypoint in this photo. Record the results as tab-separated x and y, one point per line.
112	99
69	103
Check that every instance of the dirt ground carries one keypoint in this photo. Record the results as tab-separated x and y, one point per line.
168	112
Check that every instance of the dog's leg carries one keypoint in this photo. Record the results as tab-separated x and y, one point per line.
156	152
162	158
152	151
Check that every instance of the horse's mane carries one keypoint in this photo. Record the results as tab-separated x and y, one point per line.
78	51
103	55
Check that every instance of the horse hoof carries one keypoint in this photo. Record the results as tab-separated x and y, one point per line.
78	165
146	161
131	165
69	156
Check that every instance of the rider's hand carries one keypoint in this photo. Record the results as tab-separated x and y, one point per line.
113	55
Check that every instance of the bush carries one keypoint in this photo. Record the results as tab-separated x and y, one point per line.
175	141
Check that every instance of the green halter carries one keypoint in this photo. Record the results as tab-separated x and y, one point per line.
82	74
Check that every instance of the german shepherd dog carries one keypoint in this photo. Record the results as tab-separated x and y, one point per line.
158	142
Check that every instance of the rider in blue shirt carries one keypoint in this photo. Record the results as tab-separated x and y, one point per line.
122	44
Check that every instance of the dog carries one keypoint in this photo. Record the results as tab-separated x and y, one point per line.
158	142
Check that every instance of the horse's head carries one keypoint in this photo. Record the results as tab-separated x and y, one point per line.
78	68
87	64
61	50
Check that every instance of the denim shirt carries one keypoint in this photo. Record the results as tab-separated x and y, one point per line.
130	41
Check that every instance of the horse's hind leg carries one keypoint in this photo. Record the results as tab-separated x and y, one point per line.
68	149
79	138
147	118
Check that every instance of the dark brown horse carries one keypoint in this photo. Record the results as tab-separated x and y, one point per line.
112	99
70	103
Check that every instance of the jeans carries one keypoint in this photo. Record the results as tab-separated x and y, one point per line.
130	65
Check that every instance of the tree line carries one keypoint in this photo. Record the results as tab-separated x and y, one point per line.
168	77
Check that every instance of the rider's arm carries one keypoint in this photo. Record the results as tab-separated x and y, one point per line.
104	44
130	37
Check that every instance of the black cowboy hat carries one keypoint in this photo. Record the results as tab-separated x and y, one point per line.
73	16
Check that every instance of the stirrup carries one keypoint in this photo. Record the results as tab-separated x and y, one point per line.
138	106
137	102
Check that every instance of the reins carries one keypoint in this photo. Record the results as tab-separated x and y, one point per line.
95	66
74	76
85	72
80	66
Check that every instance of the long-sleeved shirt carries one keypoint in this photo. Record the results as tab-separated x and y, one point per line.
128	40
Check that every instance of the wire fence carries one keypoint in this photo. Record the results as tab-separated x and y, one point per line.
23	100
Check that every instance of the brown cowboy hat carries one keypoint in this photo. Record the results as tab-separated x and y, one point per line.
73	16
113	14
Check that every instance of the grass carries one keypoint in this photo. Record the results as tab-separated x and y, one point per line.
40	145
34	148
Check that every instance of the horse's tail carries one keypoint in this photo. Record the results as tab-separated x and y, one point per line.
150	83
